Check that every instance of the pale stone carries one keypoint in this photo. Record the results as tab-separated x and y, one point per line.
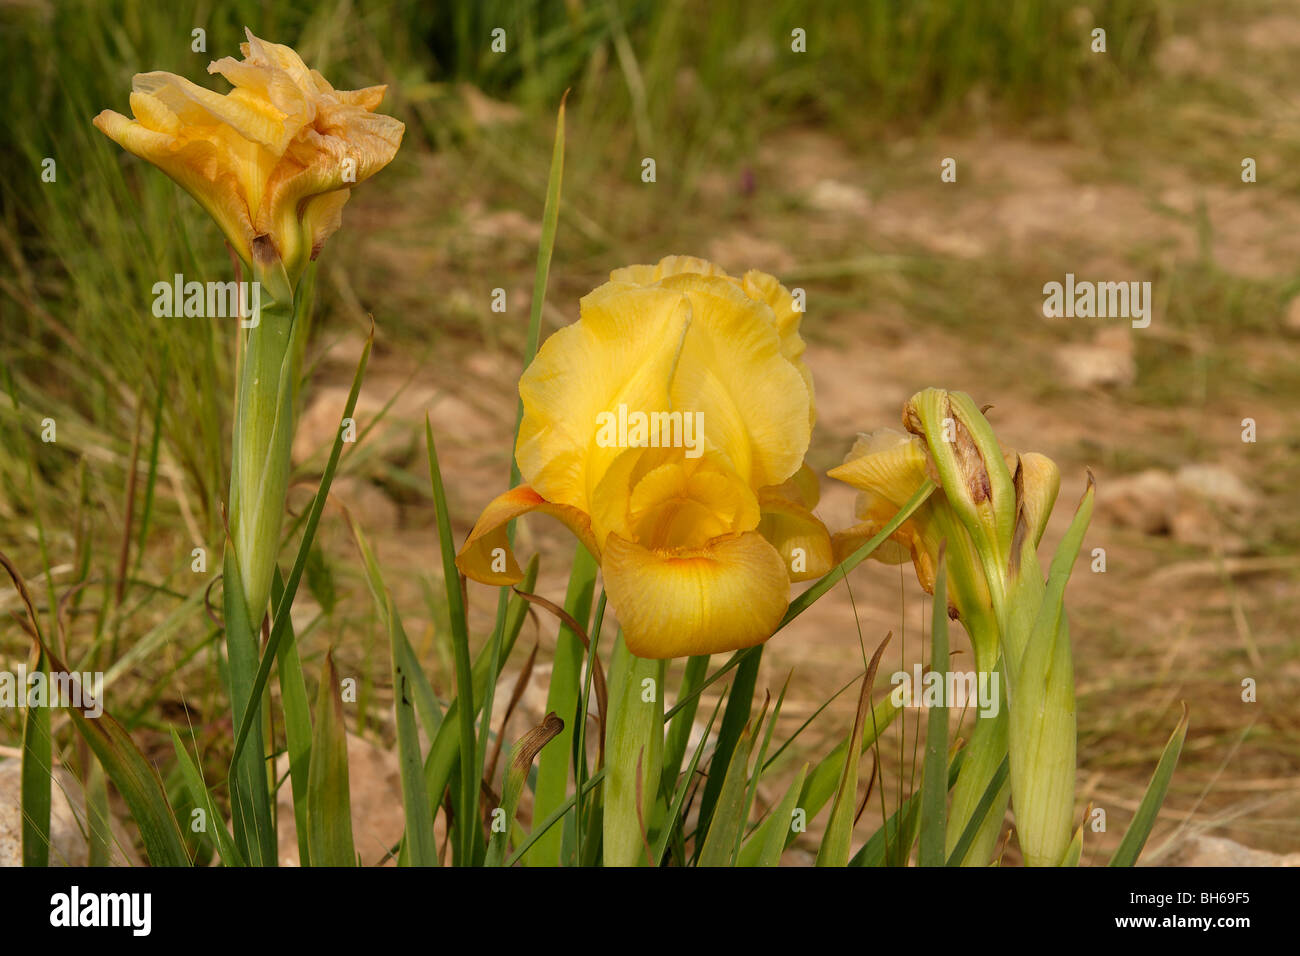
1106	362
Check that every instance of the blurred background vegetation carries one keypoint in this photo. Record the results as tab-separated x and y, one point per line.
820	166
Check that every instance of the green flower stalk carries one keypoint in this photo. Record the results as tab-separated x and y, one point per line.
273	162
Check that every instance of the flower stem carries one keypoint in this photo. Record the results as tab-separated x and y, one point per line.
259	477
635	741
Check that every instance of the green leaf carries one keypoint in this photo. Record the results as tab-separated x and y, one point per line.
444	753
1042	730
409	684
329	801
728	818
467	804
37	778
734	720
679	726
770	841
682	789
320	580
820	785
562	696
834	850
981	811
281	618
201	797
297	722
633	755
1075	850
876	851
934	781
759	764
1130	848
541	274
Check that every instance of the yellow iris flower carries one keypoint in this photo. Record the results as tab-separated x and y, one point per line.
272	161
697	541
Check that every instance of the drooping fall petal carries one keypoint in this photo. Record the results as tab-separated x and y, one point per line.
487	556
727	595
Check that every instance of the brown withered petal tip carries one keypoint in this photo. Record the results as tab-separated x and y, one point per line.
533	741
264	252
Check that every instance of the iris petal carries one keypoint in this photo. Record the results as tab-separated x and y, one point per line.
730	594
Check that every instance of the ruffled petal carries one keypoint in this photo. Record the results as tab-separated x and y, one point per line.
487	556
887	466
766	288
754	402
620	352
197	165
797	535
274	157
730	594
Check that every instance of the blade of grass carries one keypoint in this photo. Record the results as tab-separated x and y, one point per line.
201	797
682	789
420	845
135	777
467	804
297	721
877	850
541	275
679	726
734	720
727	822
769	842
834	850
553	769
444	754
37	773
759	763
1135	837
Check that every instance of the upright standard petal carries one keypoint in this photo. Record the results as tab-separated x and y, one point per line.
620	352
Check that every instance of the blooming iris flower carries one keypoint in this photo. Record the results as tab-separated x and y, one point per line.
697	545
